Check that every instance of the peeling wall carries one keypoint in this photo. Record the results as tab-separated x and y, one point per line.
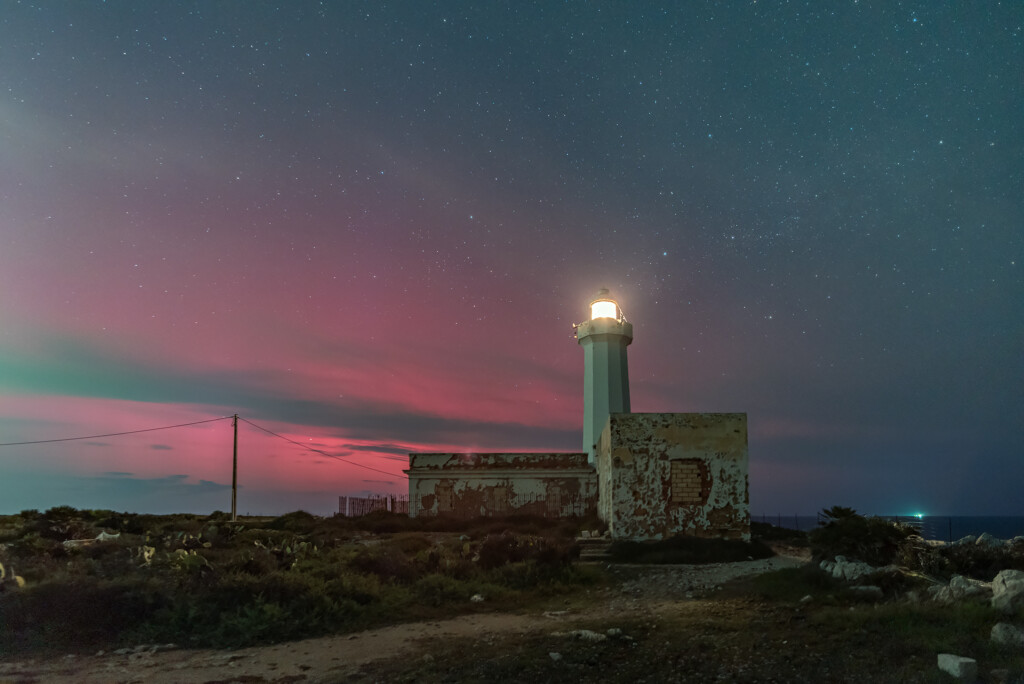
662	474
469	485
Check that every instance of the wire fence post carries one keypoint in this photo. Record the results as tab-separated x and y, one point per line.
234	468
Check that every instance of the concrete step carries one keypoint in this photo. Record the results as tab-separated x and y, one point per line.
593	549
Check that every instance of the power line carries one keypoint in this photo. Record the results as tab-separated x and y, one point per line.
200	422
319	451
114	434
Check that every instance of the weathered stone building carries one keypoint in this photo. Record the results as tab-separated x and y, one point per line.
552	484
662	474
647	475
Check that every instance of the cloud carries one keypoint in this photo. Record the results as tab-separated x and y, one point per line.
382	448
65	365
161	447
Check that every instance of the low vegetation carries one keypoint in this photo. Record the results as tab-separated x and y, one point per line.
689	550
207	581
796	625
879	542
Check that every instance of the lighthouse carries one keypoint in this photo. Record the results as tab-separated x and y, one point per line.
604	338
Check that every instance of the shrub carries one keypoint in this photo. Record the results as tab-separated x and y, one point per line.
387	562
436	589
845	533
298	521
499	549
78	612
982	561
385	522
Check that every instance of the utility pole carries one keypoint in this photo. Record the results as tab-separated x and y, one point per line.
234	469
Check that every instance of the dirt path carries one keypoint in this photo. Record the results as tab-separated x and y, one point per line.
331	659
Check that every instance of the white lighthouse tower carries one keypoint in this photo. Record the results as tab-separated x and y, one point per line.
604	339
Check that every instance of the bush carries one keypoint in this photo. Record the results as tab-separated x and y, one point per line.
387	563
298	521
436	589
845	533
982	561
78	612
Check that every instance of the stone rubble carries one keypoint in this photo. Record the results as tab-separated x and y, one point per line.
964	669
961	589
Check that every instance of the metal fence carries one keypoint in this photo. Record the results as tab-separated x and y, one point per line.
354	506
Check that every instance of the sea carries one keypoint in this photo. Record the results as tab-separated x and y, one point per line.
943	528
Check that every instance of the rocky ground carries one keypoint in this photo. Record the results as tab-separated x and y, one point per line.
681	623
644	591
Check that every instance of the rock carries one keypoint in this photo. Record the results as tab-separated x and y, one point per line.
987	539
807	599
477	598
969	539
582	635
868	592
849	570
960	589
965	669
122	651
614	632
1008	591
965	587
555	656
585	534
1008	635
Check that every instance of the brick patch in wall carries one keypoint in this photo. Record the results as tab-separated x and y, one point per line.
685	479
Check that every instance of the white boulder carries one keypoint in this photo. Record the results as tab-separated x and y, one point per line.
850	570
965	669
1008	591
960	589
1006	634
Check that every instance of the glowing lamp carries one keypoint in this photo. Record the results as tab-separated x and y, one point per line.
604	306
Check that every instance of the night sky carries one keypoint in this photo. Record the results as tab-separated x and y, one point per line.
369	227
